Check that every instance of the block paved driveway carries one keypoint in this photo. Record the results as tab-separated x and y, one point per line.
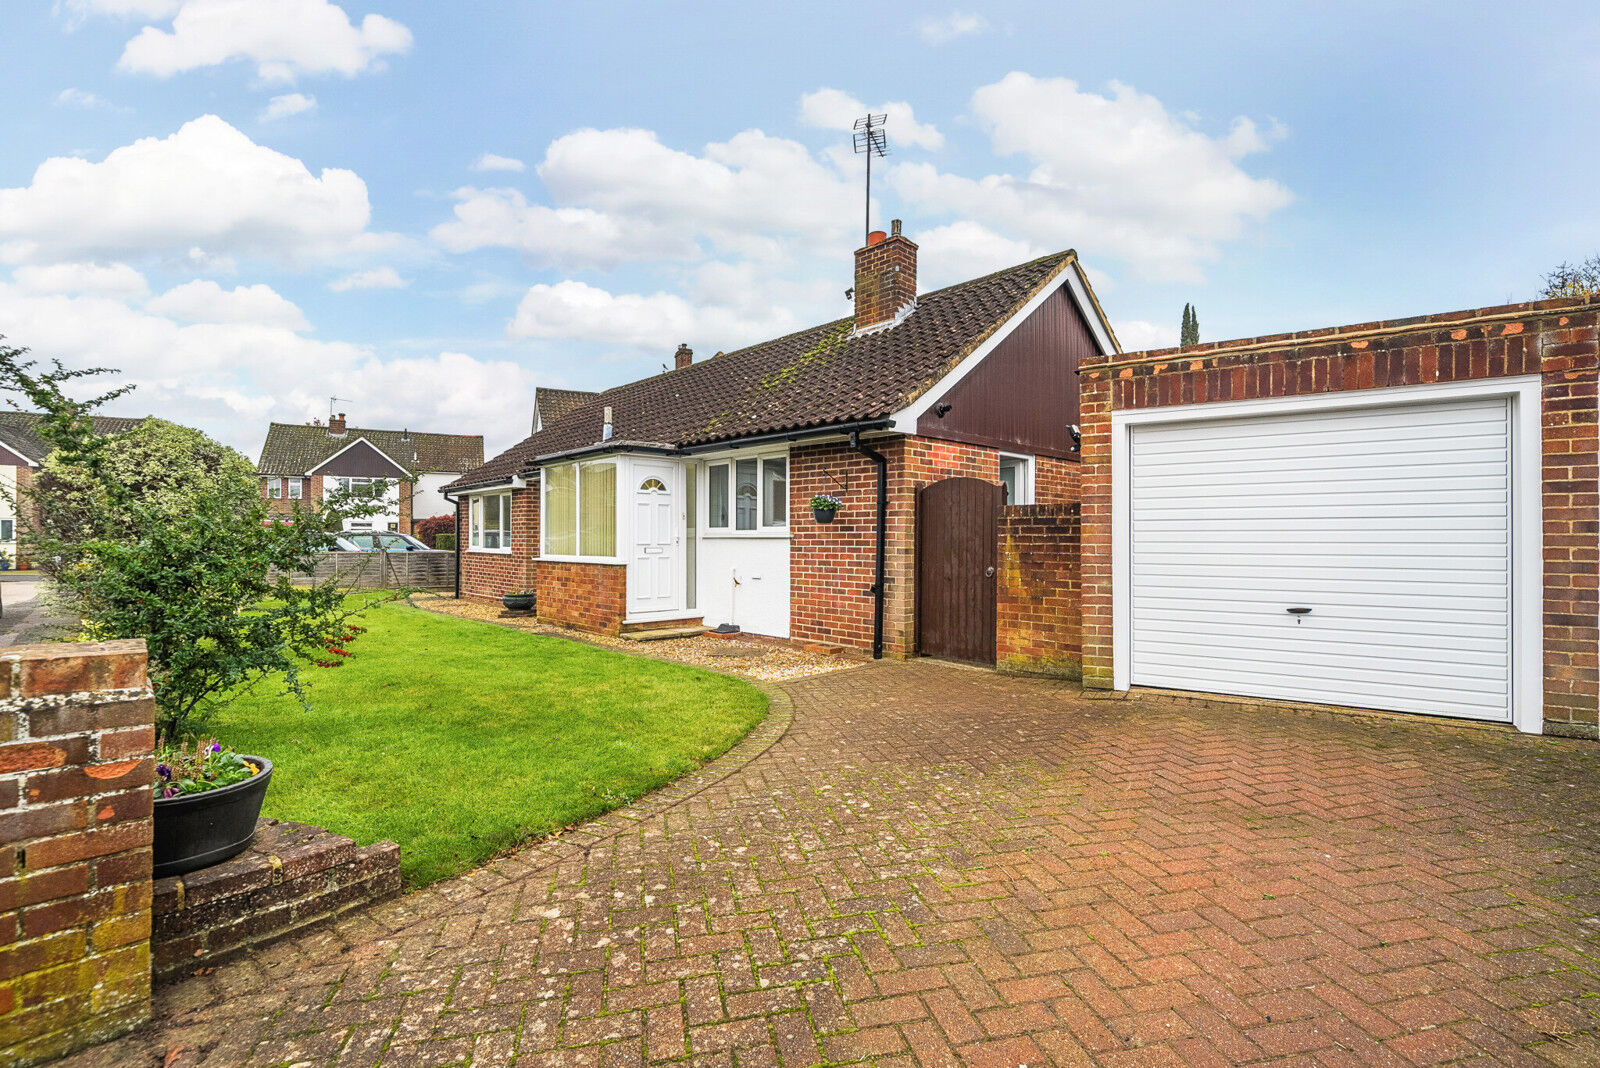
934	865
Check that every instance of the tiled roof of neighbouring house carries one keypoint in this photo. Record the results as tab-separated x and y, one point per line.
295	448
821	377
20	432
554	404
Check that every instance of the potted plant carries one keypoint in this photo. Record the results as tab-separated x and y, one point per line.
207	803
5	560
824	506
519	600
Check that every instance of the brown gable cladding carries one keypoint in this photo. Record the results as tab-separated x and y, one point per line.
820	377
296	448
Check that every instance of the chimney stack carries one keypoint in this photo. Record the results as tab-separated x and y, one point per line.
606	431
886	278
336	425
685	356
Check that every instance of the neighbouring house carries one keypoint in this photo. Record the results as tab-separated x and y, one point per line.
302	464
1399	515
683	498
22	453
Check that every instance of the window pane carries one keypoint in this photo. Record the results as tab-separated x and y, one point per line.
745	495
717	476
475	510
561	510
491	522
1008	479
597	513
296	488
774	493
7	529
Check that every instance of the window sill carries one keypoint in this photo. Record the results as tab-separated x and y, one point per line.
581	560
490	552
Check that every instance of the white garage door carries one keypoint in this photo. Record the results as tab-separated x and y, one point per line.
1391	525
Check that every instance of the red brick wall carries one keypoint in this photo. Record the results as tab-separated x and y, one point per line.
831	565
486	576
592	597
1558	340
1037	612
76	738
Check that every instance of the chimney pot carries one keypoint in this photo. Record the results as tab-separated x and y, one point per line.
606	431
876	237
894	228
336	425
685	356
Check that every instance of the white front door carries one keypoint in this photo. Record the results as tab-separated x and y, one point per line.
655	568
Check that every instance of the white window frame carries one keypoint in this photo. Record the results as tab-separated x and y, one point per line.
624	474
1026	481
296	489
1527	515
475	508
730	461
275	489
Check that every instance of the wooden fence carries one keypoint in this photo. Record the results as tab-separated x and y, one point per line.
432	569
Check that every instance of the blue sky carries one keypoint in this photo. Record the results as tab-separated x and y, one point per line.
249	206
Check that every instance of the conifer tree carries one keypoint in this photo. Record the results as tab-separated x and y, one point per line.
1190	333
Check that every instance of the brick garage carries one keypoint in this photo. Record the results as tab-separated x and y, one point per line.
832	566
1555	340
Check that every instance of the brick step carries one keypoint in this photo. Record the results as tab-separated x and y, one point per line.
660	634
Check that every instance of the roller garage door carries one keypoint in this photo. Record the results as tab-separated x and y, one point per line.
1358	556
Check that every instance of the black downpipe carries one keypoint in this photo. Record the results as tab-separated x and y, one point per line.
883	533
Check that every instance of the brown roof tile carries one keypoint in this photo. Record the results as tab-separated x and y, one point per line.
295	448
820	377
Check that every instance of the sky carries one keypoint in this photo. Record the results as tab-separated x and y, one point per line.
250	207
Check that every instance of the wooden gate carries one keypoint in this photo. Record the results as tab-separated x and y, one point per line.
958	522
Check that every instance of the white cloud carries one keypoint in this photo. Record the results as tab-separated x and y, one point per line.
491	162
80	98
572	310
125	9
835	109
377	278
206	191
283	38
1136	335
112	279
961	250
204	301
287	104
1110	175
621	196
957	24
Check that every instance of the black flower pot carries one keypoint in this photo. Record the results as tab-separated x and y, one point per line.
823	515
518	602
194	831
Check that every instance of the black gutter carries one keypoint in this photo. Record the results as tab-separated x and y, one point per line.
883	528
787	435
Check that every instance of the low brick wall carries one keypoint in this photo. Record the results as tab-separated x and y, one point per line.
292	875
592	597
76	766
1038	626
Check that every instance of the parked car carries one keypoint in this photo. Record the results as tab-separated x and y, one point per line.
368	541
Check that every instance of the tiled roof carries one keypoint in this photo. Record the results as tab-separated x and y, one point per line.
20	431
295	448
553	404
821	377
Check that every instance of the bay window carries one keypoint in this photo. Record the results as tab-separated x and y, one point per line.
757	488
579	517
489	522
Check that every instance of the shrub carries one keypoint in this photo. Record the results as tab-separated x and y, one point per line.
428	530
445	541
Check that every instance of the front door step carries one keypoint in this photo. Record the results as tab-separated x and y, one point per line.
658	634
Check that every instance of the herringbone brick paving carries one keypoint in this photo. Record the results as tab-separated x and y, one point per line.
938	866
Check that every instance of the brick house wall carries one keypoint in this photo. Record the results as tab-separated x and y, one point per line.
1558	340
77	730
488	576
591	597
1038	622
831	565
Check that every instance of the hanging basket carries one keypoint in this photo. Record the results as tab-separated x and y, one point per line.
823	515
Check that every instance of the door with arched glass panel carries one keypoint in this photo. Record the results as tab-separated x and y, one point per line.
654	568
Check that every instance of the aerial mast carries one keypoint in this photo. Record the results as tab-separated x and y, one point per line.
871	140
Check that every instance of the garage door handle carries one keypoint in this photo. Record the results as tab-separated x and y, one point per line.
1298	611
988	572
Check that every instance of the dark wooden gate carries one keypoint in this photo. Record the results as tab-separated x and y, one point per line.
958	523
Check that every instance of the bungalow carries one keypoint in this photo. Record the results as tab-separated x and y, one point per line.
301	464
22	453
684	498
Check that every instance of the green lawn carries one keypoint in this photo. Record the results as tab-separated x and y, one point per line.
458	739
